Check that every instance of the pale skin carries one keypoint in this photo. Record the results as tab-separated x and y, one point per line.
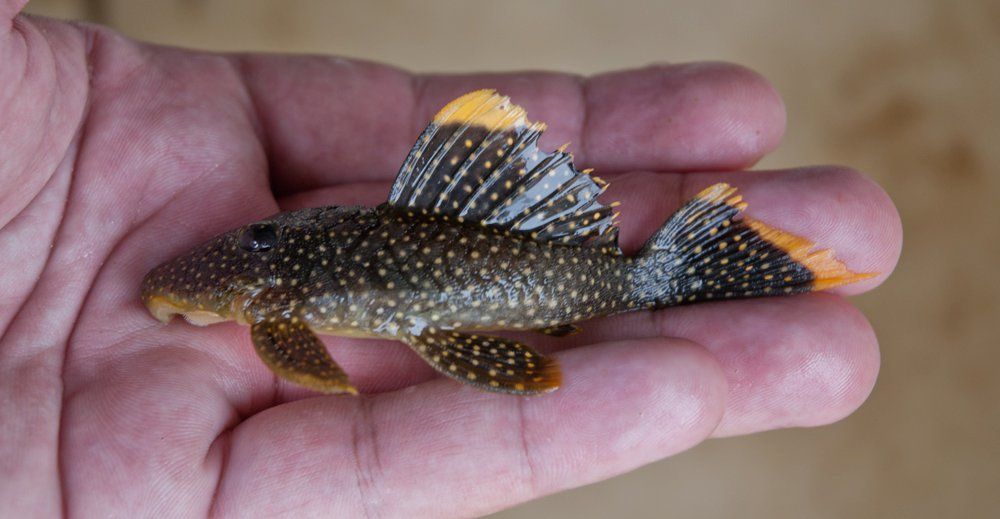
118	155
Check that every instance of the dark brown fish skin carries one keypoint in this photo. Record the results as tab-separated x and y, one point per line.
433	281
389	273
482	230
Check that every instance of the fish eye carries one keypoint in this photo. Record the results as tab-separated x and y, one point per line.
259	237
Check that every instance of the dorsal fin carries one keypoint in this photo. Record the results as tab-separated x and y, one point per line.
478	161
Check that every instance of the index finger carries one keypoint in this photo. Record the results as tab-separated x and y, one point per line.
327	120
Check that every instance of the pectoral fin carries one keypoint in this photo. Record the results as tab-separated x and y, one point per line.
491	363
294	353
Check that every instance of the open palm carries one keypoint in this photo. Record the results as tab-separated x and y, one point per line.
115	156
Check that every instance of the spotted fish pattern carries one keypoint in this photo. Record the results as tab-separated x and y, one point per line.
482	231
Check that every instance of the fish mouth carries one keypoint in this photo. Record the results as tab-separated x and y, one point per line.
163	309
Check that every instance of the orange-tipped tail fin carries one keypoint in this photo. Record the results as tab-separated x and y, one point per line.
827	270
707	251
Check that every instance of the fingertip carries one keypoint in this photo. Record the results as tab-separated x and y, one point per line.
747	118
763	112
696	379
840	377
688	369
816	367
880	247
845	210
652	397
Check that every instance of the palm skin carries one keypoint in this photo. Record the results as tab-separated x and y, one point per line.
119	155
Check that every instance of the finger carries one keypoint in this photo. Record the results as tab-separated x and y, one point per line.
405	453
327	121
698	116
815	369
789	362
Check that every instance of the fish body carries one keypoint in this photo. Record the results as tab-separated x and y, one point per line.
482	231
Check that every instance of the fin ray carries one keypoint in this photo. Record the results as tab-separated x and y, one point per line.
479	161
708	250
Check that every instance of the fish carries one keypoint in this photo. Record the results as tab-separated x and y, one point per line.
482	231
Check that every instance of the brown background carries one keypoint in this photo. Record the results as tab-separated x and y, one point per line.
906	91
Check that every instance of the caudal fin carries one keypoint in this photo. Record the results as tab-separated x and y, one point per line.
704	252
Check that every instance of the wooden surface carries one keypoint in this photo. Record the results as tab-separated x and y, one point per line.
906	91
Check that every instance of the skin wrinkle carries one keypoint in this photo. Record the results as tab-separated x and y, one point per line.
28	58
682	186
526	452
224	441
68	341
583	85
241	69
48	253
97	37
20	73
20	32
82	131
418	90
92	40
364	445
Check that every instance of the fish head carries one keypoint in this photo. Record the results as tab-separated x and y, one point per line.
217	280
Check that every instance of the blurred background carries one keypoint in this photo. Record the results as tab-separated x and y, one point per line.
906	91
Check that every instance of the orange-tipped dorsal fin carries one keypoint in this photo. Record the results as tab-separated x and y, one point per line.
479	161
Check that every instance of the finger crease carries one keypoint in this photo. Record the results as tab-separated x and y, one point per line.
224	442
583	91
526	453
368	464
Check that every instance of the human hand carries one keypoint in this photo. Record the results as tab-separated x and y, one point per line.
118	155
